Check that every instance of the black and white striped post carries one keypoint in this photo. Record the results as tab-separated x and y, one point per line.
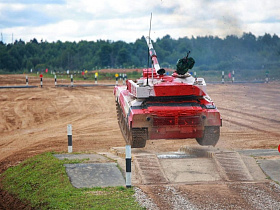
233	76
266	77
128	165
41	82
223	77
71	80
26	79
55	83
69	134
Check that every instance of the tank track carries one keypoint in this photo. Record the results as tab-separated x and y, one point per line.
136	137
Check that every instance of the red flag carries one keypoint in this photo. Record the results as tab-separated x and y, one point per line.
229	75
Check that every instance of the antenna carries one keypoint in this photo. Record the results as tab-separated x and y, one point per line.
150	28
148	51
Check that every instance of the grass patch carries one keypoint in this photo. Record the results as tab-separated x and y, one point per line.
42	181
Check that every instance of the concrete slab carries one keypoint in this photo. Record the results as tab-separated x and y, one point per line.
268	159
254	169
135	179
190	169
87	175
174	155
271	168
90	157
259	152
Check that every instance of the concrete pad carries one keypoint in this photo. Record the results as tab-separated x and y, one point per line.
260	152
94	175
135	179
253	168
190	169
174	155
271	168
91	157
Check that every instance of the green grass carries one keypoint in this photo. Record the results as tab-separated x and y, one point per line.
42	182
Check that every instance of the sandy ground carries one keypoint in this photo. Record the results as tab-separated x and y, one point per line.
35	120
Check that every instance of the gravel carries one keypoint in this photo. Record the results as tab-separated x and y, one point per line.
261	198
177	200
144	200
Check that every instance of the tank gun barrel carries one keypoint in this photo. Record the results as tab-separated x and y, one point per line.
152	53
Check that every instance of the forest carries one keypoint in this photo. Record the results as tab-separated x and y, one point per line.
247	52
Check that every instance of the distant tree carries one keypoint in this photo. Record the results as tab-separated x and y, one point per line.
209	52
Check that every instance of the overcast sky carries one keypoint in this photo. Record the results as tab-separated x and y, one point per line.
128	20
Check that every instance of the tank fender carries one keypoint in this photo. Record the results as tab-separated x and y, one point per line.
137	118
211	118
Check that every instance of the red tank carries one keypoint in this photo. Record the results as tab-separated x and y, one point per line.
158	106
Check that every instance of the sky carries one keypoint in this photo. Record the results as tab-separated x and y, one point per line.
128	20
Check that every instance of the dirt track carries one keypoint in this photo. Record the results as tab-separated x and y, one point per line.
35	120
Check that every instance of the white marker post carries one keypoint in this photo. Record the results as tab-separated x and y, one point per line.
41	82
69	134
71	80
223	77
128	165
233	76
55	83
26	79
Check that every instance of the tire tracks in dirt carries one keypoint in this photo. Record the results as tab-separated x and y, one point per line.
252	121
250	115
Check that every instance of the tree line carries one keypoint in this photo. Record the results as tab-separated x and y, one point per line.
247	52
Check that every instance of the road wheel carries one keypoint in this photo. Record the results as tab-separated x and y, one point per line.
211	136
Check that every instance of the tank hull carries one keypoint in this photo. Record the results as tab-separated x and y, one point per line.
181	115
